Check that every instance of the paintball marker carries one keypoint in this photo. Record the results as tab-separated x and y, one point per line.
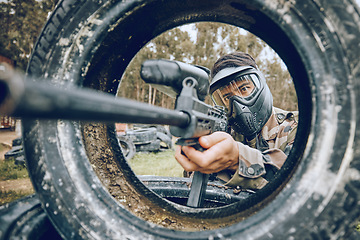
190	119
190	85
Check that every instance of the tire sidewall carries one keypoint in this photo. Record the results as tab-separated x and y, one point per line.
315	189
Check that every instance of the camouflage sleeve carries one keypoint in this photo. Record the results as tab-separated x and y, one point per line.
253	164
251	171
251	168
274	157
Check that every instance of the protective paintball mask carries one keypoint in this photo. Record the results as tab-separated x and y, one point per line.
245	95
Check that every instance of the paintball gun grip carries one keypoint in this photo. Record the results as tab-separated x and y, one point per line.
199	180
204	120
198	190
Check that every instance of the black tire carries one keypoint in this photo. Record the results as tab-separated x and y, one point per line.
159	128
20	160
17	142
177	190
25	219
153	146
142	136
90	43
14	152
127	147
164	139
161	133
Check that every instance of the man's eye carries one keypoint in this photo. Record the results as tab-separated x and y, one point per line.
227	96
244	89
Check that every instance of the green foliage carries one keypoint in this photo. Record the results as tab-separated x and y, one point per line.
280	84
9	196
21	22
161	163
8	170
212	41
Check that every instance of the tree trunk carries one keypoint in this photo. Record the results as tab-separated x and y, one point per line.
154	97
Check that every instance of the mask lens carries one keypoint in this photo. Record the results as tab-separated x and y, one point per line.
219	100
243	86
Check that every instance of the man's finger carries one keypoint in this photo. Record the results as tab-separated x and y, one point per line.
197	157
218	150
212	139
186	163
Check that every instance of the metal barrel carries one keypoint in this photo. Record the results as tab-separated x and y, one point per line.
41	100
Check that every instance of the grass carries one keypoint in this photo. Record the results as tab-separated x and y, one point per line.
10	196
9	171
160	163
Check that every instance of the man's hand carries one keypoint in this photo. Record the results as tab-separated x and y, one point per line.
221	153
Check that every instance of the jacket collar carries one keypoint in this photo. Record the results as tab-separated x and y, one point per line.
271	128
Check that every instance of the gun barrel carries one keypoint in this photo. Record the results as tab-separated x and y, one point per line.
40	100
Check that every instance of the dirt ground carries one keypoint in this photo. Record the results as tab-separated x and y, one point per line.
18	185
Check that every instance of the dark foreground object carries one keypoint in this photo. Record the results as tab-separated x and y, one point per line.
26	219
90	44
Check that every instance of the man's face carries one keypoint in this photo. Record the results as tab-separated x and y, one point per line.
242	86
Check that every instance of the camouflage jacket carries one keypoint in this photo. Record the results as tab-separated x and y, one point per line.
268	152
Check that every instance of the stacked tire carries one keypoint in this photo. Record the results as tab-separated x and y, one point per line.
144	139
16	153
127	146
316	194
26	219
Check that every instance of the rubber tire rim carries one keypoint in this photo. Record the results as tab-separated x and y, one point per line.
317	47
